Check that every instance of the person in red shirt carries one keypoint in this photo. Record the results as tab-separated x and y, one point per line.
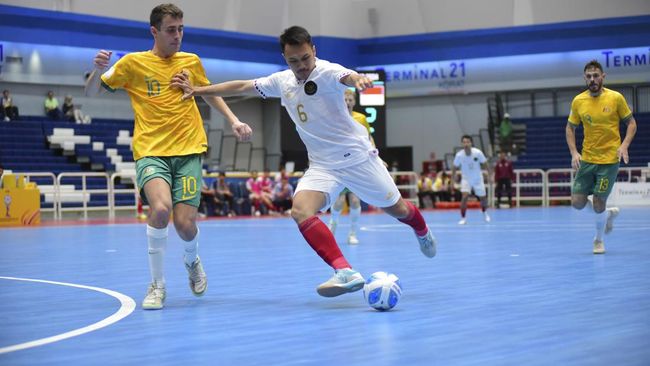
504	174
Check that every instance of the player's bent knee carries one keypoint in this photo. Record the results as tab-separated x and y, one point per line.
599	205
160	213
398	210
578	203
186	229
298	214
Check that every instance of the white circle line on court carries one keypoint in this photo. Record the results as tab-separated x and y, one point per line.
127	305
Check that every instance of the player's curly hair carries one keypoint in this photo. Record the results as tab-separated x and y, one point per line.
294	36
159	12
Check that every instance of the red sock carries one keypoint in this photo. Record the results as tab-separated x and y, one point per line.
321	239
415	220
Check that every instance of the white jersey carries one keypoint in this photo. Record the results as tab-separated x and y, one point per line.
317	106
470	165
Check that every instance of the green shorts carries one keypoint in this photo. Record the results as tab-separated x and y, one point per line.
596	179
182	173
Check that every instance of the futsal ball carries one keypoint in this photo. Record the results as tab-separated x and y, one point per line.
382	290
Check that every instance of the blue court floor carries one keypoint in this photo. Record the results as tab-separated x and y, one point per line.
522	290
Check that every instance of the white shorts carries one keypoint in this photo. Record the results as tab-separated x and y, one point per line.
369	180
478	187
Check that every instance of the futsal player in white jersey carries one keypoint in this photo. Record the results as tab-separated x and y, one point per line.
471	160
340	153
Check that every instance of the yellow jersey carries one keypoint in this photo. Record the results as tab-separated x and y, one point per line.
164	125
361	118
600	117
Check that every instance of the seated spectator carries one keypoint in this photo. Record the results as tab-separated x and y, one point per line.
283	196
268	184
207	203
456	195
260	201
442	187
73	113
8	111
282	173
425	190
223	197
52	107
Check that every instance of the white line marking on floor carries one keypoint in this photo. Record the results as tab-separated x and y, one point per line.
127	305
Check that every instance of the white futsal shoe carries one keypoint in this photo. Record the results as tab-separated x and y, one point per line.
599	247
611	215
462	221
155	299
198	278
486	217
427	244
344	280
352	238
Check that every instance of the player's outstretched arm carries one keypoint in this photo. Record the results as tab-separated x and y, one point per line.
242	131
93	83
358	81
229	88
621	152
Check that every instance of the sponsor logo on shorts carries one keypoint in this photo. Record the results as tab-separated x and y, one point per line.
148	171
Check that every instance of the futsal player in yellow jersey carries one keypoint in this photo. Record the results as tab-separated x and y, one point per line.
168	140
354	202
600	111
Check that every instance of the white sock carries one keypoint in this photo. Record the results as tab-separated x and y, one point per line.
601	220
355	213
335	215
157	239
191	249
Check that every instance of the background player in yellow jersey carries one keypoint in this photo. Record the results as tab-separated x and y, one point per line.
600	110
168	140
353	200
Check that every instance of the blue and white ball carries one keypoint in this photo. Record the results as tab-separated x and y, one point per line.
382	290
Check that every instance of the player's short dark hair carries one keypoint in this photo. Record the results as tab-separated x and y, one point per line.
593	64
467	137
159	12
294	36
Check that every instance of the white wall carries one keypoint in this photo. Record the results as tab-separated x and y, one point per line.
350	18
434	124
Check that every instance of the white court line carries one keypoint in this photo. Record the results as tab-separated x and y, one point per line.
127	305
